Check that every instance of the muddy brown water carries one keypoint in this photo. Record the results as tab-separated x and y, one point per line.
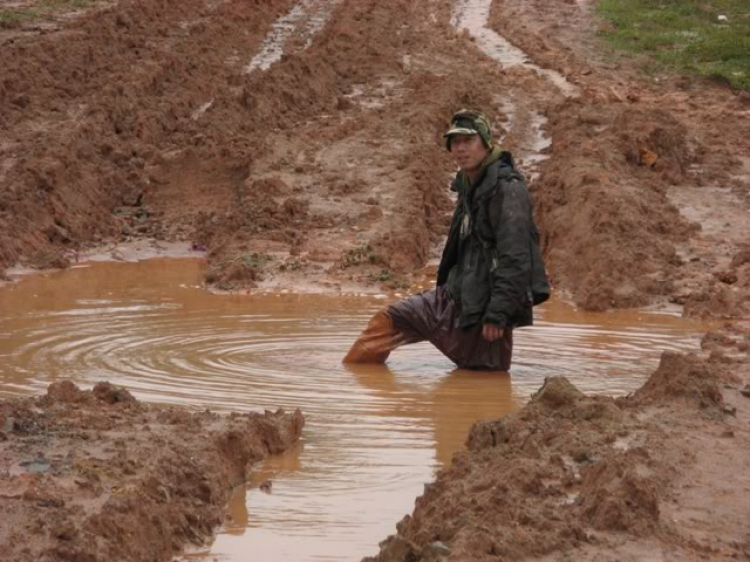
375	435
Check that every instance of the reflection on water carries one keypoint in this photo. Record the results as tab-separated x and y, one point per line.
375	434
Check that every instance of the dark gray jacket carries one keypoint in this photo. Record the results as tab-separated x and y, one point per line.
491	264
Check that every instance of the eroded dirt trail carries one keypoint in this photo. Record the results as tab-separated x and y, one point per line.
322	168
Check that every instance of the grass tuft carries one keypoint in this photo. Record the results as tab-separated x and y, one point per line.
43	9
686	36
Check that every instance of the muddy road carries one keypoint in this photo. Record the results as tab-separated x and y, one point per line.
298	145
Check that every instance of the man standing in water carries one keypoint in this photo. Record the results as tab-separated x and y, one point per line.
491	272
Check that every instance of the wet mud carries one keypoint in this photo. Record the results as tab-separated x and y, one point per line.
582	477
97	475
373	434
297	145
303	147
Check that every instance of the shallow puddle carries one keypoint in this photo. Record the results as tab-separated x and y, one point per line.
374	435
306	18
473	16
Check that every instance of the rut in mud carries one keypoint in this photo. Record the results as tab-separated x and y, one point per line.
299	143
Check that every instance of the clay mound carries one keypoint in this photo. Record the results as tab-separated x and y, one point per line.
111	394
487	434
66	392
536	482
96	475
557	392
682	376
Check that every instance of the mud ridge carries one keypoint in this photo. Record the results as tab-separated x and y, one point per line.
622	155
98	475
594	478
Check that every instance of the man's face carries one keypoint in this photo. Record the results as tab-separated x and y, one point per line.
468	151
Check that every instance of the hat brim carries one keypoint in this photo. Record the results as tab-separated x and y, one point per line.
460	131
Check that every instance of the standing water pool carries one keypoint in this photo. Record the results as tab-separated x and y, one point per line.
374	434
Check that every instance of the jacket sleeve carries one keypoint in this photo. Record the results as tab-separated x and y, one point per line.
510	266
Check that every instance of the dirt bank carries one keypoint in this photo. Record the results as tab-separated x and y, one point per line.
97	475
658	475
326	168
646	184
635	163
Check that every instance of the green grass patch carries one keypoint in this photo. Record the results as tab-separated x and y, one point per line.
58	5
17	16
44	9
684	36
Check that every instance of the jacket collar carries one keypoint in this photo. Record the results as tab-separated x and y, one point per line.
488	182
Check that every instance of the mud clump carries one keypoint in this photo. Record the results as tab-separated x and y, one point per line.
236	275
98	475
110	394
557	392
682	376
567	474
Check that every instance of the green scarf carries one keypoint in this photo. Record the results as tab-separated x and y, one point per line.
491	158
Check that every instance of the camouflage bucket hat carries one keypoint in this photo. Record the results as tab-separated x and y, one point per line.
468	122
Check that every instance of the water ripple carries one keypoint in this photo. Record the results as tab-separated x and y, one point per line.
374	435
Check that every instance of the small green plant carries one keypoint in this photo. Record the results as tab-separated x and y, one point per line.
360	254
255	260
383	276
45	9
57	5
17	16
685	36
291	266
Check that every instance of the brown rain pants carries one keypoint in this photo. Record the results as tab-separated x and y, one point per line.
430	316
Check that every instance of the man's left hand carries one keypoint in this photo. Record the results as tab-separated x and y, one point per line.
492	332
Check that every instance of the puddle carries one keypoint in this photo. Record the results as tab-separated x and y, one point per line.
38	466
198	113
375	434
306	18
473	15
375	96
532	148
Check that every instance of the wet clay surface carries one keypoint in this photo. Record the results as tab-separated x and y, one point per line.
324	168
649	184
374	435
655	476
97	475
324	171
